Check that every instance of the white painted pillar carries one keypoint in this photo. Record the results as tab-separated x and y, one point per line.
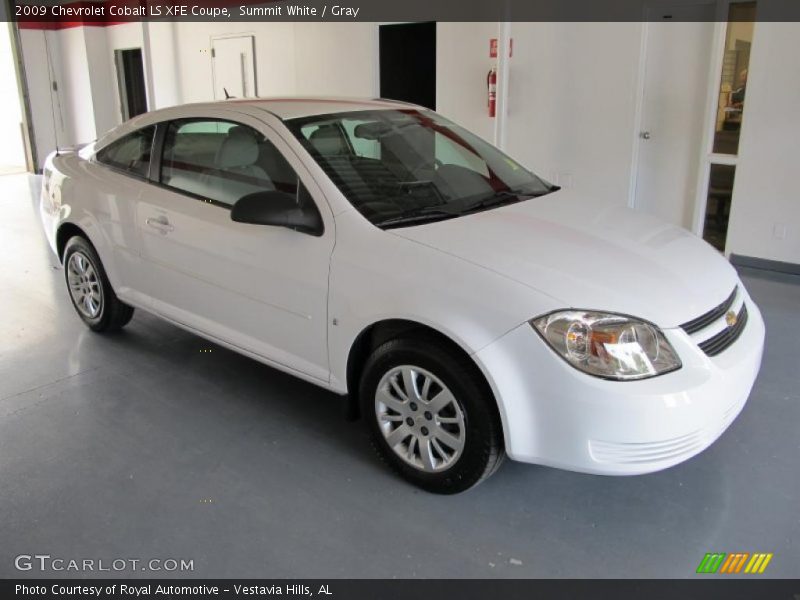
501	115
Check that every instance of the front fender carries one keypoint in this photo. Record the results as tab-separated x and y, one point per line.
377	276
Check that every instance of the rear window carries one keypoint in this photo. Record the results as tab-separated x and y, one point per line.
130	153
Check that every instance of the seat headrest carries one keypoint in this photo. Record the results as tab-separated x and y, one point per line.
239	149
328	141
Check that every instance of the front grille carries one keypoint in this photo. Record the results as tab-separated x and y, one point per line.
718	343
706	319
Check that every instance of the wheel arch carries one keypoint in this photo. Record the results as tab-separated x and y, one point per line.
384	330
64	233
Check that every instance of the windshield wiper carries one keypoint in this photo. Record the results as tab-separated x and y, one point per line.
429	214
500	197
495	199
423	215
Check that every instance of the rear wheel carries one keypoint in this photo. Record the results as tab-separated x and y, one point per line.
89	289
431	415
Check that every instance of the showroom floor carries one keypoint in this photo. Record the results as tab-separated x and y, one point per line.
152	443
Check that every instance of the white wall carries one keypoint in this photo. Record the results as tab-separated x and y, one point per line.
291	58
103	91
336	59
275	62
75	90
572	102
42	105
766	194
462	62
12	153
162	77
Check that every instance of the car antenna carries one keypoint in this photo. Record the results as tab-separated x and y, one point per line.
53	87
227	95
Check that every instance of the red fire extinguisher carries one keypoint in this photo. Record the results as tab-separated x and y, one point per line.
491	83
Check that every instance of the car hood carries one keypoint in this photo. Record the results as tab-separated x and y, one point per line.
590	255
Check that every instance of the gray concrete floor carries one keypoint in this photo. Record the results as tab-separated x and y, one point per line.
141	445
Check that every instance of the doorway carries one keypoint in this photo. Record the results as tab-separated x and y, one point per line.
233	67
720	162
130	81
408	63
12	150
678	42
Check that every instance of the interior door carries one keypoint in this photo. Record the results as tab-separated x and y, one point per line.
677	70
407	57
130	82
261	288
234	67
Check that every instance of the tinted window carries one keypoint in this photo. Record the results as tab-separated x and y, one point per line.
222	161
130	153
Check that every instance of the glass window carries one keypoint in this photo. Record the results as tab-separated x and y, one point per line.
223	161
130	153
207	127
733	83
402	166
718	205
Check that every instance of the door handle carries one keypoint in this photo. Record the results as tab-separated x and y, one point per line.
160	223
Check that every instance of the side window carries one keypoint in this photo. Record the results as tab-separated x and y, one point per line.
222	161
130	153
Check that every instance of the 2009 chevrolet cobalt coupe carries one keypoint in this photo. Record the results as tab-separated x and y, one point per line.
471	309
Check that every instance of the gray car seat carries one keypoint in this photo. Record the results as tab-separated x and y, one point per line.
236	173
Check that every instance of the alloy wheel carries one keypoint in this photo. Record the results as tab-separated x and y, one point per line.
84	285
420	418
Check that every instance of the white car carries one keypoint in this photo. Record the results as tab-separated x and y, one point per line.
469	309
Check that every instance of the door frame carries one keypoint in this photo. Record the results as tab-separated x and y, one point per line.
708	157
122	79
28	133
212	56
715	68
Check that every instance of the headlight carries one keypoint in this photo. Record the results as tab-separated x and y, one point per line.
608	345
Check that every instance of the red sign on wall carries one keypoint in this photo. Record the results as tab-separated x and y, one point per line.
493	48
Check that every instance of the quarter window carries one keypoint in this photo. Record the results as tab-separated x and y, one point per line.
223	161
130	153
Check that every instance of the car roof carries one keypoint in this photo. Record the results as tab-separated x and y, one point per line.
294	107
291	107
281	107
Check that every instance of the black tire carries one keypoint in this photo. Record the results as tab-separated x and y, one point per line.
483	449
113	314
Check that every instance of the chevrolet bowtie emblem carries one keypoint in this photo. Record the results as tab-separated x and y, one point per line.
731	318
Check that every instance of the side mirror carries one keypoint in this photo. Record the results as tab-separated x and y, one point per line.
279	209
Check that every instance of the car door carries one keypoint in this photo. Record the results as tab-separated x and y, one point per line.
262	289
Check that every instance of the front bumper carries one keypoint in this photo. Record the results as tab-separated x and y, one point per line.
555	415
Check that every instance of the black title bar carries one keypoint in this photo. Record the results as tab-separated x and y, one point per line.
101	12
712	587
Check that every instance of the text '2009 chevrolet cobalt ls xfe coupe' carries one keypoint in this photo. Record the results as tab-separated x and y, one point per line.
470	309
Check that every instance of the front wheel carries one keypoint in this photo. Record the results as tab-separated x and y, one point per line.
431	415
89	288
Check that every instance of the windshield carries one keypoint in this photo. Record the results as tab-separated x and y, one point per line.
404	167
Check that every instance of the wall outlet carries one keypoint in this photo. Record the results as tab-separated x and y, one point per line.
779	231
